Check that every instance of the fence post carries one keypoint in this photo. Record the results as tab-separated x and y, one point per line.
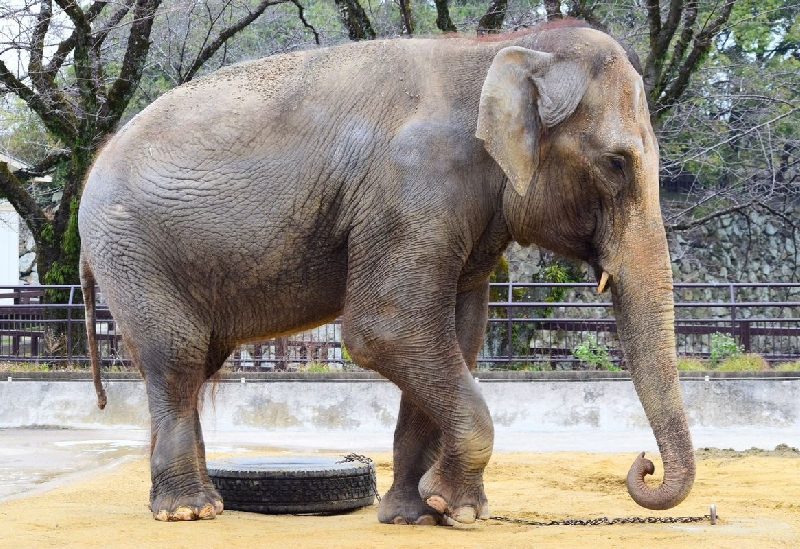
69	324
732	296
509	323
744	339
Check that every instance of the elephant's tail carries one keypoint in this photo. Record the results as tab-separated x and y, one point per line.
88	287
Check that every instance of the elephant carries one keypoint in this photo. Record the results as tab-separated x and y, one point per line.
379	182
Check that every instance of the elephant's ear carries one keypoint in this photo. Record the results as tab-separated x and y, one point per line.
524	92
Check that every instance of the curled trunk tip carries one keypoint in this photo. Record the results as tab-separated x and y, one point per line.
673	490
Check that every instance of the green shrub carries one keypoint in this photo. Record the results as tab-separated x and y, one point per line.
595	354
788	366
692	364
314	367
25	367
745	362
723	347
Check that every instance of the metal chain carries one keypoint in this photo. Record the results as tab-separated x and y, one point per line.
602	521
367	461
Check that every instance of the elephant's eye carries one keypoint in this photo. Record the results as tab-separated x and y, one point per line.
616	162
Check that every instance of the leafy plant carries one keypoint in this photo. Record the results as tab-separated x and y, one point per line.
595	354
345	354
25	367
743	362
315	367
543	366
722	347
691	364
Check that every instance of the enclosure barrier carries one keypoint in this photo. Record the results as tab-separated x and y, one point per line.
536	326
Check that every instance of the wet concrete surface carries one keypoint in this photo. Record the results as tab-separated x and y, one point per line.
34	460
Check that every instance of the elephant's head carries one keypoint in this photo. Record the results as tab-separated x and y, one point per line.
572	133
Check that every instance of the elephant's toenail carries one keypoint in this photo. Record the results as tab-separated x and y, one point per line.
207	512
438	503
465	515
426	520
183	513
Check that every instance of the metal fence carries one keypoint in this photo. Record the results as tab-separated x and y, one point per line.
531	326
569	326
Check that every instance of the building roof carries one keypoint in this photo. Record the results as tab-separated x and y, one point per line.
13	162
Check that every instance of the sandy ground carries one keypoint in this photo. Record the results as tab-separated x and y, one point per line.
757	495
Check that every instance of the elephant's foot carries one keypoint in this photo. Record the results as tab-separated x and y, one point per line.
463	504
404	506
202	506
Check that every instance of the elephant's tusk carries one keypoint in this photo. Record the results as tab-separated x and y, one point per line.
603	280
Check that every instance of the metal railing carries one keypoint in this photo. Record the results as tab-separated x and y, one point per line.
531	326
526	328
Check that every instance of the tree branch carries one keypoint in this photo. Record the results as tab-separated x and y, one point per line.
13	189
226	34
132	65
705	219
679	49
661	34
101	34
37	47
81	61
741	134
44	81
60	123
302	15
700	48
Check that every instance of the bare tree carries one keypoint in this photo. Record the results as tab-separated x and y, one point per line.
78	65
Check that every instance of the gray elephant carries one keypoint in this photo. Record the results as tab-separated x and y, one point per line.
380	182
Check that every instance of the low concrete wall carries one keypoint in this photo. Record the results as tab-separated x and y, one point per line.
519	402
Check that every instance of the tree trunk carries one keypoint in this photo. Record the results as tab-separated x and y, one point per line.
492	20
553	9
443	21
408	19
355	19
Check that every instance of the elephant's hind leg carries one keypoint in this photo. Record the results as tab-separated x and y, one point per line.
181	488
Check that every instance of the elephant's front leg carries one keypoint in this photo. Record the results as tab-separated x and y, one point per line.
405	329
416	440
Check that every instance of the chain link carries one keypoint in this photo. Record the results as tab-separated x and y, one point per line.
605	521
367	461
600	521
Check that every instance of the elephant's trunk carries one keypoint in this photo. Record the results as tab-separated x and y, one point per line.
643	304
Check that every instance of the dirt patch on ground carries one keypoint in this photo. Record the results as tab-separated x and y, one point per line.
755	492
781	450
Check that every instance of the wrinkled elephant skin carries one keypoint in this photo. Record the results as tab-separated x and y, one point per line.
380	182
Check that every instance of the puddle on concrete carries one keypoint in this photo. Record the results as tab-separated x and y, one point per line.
32	458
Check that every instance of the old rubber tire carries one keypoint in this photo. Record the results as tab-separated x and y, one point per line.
293	484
